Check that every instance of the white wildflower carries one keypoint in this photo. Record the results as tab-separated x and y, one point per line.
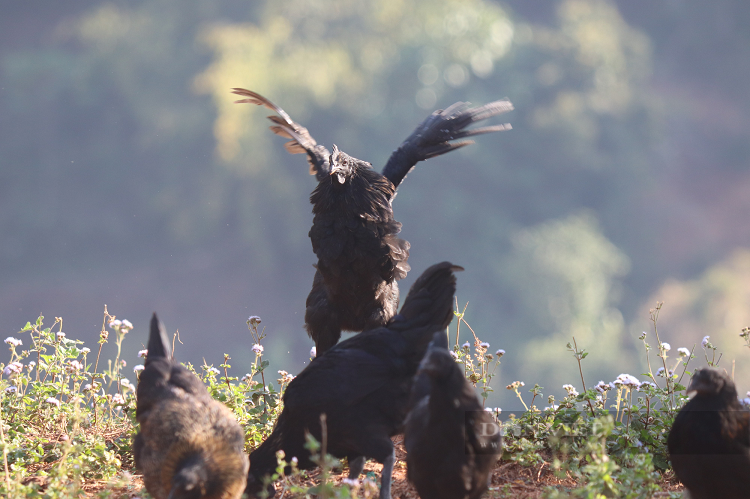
73	366
705	341
453	354
571	390
60	335
602	387
143	353
139	367
666	347
253	319
484	345
258	349
212	370
53	401
118	400
115	324
14	342
466	346
126	324
683	352
247	377
627	380
85	350
500	352
643	335
11	389
12	369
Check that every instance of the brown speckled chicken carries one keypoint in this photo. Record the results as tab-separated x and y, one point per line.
189	445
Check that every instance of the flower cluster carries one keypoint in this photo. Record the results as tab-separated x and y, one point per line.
285	377
603	387
571	390
74	366
627	381
14	342
12	369
123	326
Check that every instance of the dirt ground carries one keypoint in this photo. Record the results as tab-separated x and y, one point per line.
509	479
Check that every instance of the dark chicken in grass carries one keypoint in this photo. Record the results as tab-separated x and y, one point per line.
709	444
189	446
354	233
362	385
451	443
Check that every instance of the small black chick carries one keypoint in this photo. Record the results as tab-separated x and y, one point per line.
189	445
362	385
709	443
451	442
354	233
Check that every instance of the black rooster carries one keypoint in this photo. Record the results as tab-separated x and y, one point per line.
362	385
354	234
451	442
709	443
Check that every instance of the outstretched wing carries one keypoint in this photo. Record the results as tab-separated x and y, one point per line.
300	139
434	135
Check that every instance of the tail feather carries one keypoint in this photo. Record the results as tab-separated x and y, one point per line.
158	344
430	299
429	304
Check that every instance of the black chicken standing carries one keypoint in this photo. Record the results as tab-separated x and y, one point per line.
709	443
362	385
451	442
354	233
189	446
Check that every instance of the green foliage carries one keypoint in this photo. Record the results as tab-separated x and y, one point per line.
63	423
67	425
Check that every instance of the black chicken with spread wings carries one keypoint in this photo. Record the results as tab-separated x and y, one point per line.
709	443
362	385
354	234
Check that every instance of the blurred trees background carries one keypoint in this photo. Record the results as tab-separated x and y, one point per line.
129	177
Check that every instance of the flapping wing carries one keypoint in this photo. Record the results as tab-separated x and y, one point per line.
434	135
300	139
